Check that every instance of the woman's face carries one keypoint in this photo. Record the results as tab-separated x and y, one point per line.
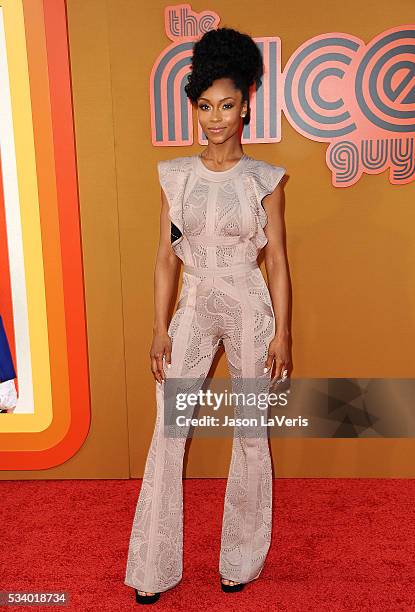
219	110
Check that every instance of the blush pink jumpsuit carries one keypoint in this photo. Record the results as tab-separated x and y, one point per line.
217	230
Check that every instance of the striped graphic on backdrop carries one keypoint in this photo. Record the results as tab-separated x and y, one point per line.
171	110
42	295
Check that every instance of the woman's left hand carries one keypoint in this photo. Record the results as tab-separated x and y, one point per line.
279	351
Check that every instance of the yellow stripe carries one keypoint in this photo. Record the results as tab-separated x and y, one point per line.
29	210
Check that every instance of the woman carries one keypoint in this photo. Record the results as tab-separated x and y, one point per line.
219	209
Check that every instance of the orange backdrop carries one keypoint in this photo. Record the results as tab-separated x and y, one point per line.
351	251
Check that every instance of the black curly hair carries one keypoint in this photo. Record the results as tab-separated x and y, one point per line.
224	53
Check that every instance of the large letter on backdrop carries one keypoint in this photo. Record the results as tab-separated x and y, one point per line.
171	111
359	98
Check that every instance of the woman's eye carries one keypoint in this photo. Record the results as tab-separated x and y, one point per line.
202	106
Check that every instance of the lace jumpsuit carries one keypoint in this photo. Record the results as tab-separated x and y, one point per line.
217	230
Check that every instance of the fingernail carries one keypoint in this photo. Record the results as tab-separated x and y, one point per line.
169	365
266	370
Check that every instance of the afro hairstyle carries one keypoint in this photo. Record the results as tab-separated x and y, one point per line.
224	53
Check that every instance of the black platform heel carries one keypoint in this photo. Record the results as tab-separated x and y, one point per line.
146	599
231	588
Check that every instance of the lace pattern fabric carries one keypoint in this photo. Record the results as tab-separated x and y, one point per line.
220	219
190	192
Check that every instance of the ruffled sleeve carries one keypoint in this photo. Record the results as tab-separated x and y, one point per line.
267	178
173	175
264	179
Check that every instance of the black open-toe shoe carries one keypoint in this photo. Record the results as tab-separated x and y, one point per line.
231	588
146	599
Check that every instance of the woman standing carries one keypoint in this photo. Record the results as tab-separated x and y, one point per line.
219	209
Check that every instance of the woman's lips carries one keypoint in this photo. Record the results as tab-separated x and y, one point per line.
216	130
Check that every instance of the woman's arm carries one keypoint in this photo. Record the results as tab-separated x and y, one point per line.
165	278
278	279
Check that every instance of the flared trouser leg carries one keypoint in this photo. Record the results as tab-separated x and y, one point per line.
246	525
247	516
154	561
155	554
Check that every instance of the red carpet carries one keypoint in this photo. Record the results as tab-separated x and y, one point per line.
337	545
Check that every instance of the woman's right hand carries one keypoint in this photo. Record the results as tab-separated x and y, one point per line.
160	346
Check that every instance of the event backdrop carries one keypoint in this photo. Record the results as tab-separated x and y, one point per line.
92	97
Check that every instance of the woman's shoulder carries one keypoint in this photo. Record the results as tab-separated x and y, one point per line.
265	175
261	167
174	174
178	164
